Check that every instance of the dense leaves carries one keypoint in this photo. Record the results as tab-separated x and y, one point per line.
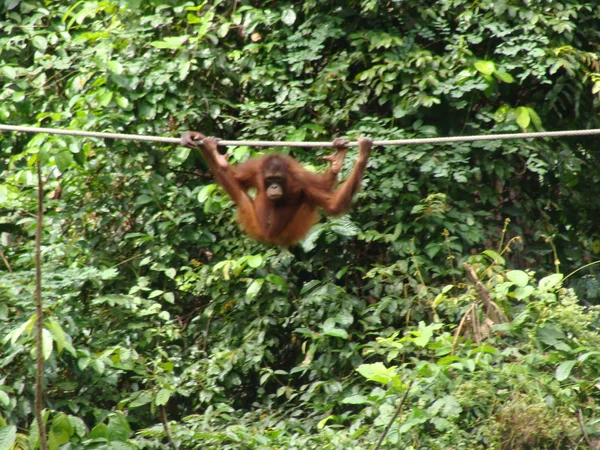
164	324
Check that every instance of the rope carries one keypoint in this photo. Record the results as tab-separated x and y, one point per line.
437	140
132	137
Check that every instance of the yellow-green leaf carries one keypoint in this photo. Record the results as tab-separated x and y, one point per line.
523	118
485	67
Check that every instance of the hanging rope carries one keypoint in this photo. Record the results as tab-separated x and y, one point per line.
438	140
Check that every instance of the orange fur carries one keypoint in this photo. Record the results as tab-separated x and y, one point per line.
287	220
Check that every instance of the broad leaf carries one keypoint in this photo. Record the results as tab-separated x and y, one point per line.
564	370
162	397
550	282
171	43
485	67
255	287
377	372
518	277
8	436
523	118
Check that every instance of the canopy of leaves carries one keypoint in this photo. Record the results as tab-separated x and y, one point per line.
160	311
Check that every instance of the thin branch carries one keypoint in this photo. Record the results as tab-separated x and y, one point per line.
483	292
581	268
207	331
39	381
165	421
3	256
461	324
476	330
396	414
582	426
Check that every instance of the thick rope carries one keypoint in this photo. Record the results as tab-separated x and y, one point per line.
438	140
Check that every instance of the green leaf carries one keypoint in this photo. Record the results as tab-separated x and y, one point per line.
377	372
564	370
424	333
63	160
336	332
535	119
143	199
98	366
143	398
518	277
83	363
485	67
179	155
172	43
356	400
8	436
115	67
310	241
500	114
344	226
494	256
224	29
57	333
168	366
118	428
8	72
550	282
4	398
254	287
323	422
78	425
123	102
288	17
205	192
15	334
239	153
162	397
225	266
18	96
255	261
277	281
47	344
99	431
550	334
62	429
40	43
171	273
585	356
104	99
214	110
524	292
447	406
109	274
43	155
522	117
118	445
503	76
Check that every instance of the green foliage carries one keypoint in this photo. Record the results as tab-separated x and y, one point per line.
158	310
498	391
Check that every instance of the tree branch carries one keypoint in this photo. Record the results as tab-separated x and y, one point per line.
165	421
397	413
39	381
